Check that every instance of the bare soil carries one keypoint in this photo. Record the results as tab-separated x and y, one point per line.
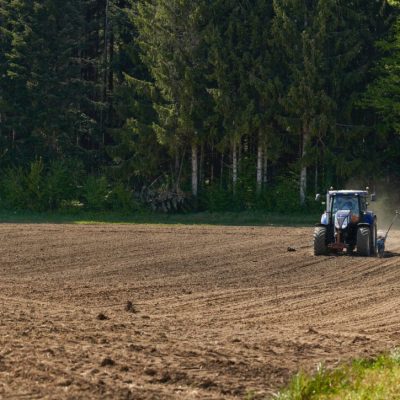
182	312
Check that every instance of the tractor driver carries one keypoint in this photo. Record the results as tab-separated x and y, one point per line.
348	205
352	206
345	203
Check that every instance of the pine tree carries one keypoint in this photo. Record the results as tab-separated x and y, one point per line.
170	33
384	93
299	29
382	96
43	75
262	70
5	46
352	30
16	122
135	151
244	89
228	39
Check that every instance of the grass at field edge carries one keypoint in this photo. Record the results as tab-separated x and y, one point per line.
373	379
201	218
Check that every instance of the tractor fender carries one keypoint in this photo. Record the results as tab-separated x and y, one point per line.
364	224
369	218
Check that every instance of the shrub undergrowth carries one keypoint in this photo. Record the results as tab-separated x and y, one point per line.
64	185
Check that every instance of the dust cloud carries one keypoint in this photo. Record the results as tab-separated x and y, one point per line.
386	204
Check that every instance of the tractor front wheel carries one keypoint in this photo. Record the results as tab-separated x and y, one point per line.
320	247
364	241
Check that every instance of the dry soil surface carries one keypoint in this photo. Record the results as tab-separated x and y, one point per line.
182	312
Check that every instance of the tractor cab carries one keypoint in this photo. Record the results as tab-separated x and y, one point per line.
346	224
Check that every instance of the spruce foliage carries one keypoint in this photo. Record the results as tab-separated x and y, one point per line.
237	103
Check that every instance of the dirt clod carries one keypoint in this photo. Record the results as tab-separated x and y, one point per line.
207	383
102	317
66	382
129	307
359	339
107	362
165	377
135	347
150	371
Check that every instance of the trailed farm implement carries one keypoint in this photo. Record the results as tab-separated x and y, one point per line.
382	238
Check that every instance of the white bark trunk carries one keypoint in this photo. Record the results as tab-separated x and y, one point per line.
194	171
201	169
234	166
303	173
265	169
259	166
303	185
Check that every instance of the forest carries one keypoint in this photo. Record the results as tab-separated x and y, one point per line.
177	105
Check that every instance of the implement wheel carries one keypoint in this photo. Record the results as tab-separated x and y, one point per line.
320	247
364	241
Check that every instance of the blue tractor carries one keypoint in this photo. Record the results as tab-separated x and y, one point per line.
346	224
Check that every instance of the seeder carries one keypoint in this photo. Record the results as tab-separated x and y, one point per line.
382	239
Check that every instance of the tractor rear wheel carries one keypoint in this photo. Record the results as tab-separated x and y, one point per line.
320	247
364	241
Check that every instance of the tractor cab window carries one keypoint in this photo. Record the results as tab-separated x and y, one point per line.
342	202
364	205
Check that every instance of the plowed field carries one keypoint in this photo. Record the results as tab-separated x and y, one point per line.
215	312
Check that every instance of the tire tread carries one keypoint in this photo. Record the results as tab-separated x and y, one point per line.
320	247
364	242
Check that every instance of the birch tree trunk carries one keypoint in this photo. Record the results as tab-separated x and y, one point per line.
194	171
176	170
259	164
234	166
265	169
201	169
303	173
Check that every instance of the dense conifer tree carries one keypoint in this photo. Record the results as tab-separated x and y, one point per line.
170	33
159	92
242	74
135	150
300	33
383	96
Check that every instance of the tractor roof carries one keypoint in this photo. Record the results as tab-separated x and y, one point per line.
349	192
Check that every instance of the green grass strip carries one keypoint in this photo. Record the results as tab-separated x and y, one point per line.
377	379
201	218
